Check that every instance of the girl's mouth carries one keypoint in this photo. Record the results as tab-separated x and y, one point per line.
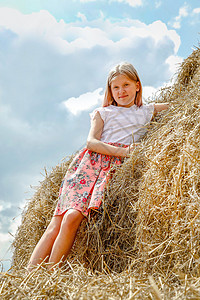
123	96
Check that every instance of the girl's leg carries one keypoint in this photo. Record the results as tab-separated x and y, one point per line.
45	244
66	236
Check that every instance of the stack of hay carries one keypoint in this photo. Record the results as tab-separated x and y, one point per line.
146	239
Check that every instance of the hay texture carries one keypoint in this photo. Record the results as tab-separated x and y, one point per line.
144	243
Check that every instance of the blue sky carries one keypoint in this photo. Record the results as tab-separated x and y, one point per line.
54	60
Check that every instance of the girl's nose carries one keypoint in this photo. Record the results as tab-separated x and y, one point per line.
121	90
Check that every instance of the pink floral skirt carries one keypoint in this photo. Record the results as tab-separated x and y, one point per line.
83	185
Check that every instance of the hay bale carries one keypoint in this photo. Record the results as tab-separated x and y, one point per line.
149	221
168	208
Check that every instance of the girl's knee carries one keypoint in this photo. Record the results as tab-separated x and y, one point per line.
72	219
53	227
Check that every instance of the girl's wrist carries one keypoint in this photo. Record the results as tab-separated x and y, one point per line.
126	151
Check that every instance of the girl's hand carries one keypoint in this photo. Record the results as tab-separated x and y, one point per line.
131	148
159	107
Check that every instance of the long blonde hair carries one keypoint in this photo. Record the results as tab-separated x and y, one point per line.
129	71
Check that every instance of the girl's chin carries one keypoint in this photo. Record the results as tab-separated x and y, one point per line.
125	104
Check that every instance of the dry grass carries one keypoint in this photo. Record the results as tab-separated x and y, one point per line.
145	241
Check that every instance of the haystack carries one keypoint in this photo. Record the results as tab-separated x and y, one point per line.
145	240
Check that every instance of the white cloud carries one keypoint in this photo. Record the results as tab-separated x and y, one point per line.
84	102
158	4
4	238
14	225
183	12
158	30
148	91
86	1
132	3
174	63
38	24
5	242
67	38
82	17
196	10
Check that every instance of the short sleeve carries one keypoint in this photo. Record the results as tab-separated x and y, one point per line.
100	110
149	110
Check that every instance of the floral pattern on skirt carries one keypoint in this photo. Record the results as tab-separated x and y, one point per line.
83	185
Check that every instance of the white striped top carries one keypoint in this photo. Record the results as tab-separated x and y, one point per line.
124	124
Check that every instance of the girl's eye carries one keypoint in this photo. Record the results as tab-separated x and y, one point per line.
126	84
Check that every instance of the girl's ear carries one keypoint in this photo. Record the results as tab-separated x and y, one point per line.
137	86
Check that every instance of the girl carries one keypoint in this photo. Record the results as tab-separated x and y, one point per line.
115	128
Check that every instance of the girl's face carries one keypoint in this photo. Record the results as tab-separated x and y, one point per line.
124	90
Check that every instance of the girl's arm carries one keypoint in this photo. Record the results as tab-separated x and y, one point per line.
94	143
159	107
